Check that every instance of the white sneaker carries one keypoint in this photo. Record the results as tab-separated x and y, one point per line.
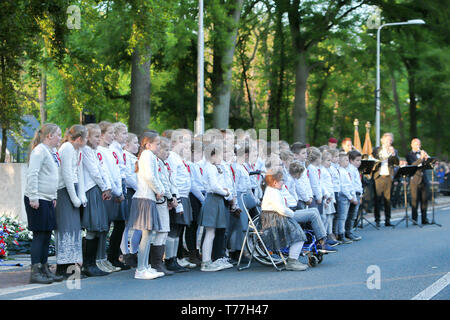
185	263
210	266
153	271
102	267
144	275
108	264
224	262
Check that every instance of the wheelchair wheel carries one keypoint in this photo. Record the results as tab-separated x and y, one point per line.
260	255
313	261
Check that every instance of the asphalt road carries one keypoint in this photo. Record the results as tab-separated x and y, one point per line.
406	261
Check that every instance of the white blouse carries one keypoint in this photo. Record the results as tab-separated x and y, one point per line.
346	183
180	174
273	201
111	165
71	172
120	156
42	174
130	174
314	178
215	181
327	183
148	183
94	172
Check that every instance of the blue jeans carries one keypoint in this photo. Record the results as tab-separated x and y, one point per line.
312	216
343	205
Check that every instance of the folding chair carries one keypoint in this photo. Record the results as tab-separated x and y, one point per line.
253	231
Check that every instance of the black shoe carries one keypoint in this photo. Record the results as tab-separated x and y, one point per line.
425	221
130	259
117	263
388	224
343	239
172	265
353	237
93	271
38	276
55	277
377	223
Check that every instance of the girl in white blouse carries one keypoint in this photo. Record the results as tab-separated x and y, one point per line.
112	172
131	148
313	160
71	196
40	199
213	214
143	214
97	188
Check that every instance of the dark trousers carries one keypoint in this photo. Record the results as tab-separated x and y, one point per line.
191	230
383	186
219	244
115	240
419	194
39	246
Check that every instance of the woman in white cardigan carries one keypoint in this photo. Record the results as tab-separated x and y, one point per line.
40	199
71	196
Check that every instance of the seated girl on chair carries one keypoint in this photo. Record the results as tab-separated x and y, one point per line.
278	228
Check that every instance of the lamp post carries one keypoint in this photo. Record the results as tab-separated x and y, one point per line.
200	122
377	91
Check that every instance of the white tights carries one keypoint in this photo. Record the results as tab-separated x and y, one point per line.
208	243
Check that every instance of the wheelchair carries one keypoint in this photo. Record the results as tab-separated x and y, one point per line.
266	256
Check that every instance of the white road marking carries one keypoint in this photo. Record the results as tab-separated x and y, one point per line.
40	296
24	288
434	289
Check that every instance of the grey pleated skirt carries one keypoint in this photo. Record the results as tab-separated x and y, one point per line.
67	216
164	218
278	231
113	210
186	217
144	215
214	213
95	217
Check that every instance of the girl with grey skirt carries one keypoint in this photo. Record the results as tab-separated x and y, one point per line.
98	189
213	213
71	196
143	213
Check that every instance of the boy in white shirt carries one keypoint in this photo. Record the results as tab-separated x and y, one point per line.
355	161
346	196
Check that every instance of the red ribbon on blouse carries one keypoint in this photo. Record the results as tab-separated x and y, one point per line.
187	167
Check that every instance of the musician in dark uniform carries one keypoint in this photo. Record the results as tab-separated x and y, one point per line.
419	181
382	175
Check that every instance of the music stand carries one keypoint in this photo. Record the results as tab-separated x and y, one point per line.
406	171
366	167
429	164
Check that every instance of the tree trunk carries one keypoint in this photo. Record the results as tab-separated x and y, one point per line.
399	115
300	115
43	97
318	107
140	91
224	61
4	141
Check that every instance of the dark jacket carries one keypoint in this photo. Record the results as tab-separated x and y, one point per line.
419	177
393	161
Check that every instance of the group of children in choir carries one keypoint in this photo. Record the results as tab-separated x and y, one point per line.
168	203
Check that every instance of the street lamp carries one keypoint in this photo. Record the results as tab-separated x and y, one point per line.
200	122
377	91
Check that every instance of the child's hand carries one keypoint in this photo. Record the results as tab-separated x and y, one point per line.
34	204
